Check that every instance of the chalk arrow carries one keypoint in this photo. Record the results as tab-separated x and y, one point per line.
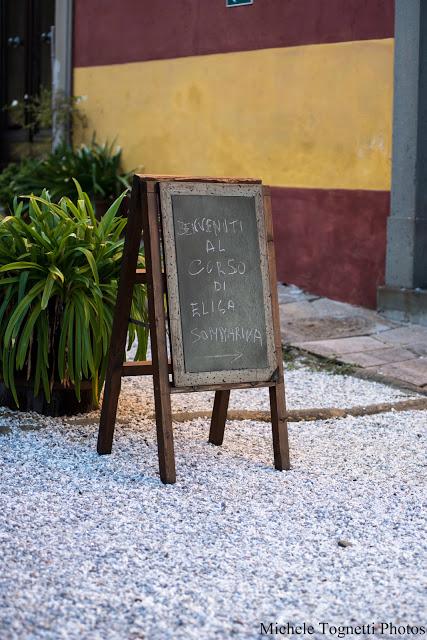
234	356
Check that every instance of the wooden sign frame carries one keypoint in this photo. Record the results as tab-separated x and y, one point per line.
181	377
144	218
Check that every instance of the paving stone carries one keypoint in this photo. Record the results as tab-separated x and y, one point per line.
341	345
303	321
296	310
413	371
284	298
293	293
353	335
409	334
419	348
377	357
325	307
313	329
372	321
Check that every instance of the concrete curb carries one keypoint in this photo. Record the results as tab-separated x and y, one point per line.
308	415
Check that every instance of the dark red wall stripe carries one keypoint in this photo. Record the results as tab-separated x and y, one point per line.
118	31
331	242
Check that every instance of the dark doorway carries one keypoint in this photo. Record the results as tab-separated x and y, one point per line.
25	67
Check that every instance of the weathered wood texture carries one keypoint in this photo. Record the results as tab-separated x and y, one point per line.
121	321
144	216
157	319
219	416
141	277
223	387
245	283
277	392
166	178
140	368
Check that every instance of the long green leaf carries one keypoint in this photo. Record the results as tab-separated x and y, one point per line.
47	290
91	262
23	279
109	216
24	340
56	272
61	252
15	266
20	312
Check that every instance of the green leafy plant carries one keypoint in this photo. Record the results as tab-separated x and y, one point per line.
97	167
7	177
58	284
37	112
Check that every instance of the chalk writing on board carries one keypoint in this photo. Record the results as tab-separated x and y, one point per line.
227	334
219	299
207	225
219	282
233	356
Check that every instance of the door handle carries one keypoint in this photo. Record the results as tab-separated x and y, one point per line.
15	41
46	37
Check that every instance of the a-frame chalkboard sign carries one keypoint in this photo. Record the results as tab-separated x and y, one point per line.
209	255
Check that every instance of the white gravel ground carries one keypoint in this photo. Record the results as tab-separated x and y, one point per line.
97	548
304	389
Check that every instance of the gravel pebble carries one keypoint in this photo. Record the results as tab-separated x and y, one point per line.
304	389
97	548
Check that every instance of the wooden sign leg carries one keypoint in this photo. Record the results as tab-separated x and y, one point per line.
219	416
120	326
156	312
277	393
279	427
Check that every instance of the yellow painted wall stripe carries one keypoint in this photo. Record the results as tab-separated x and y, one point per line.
307	116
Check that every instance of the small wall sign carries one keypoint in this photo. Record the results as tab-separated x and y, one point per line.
237	3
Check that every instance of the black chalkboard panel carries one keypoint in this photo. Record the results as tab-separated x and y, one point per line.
218	285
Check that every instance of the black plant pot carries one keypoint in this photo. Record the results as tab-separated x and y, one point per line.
63	399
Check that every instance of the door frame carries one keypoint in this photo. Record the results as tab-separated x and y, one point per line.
62	66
